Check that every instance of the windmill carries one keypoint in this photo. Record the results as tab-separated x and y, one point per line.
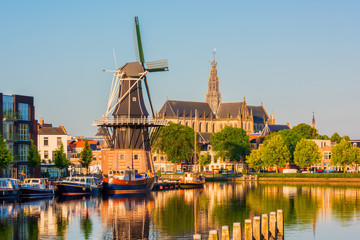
126	122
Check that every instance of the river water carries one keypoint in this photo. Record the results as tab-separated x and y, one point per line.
310	212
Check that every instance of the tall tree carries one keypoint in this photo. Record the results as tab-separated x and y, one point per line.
347	138
177	141
305	131
291	139
5	154
335	138
86	156
205	159
275	152
344	154
230	144
254	160
60	160
306	153
33	156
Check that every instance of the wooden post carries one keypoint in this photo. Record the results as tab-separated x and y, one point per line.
213	235
273	225
248	229
256	228
225	233
280	222
265	226
236	231
196	237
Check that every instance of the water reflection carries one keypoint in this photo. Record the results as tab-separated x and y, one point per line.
316	212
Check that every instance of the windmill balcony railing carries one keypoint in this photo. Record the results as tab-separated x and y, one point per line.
130	121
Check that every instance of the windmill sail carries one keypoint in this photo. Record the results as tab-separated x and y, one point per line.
138	44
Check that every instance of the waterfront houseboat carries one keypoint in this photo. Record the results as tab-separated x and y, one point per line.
36	187
9	188
127	181
79	186
191	180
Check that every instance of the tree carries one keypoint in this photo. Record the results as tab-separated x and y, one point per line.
205	159
305	131
60	159
335	138
33	156
291	139
275	152
344	154
230	143
5	154
86	156
306	153
177	141
347	138
254	159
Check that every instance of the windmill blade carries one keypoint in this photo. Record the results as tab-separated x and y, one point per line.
148	93
138	44
157	66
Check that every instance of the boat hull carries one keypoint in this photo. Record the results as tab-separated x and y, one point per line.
35	192
191	185
117	186
66	188
9	193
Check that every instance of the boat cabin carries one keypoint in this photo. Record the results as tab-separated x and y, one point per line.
9	183
42	183
84	180
125	174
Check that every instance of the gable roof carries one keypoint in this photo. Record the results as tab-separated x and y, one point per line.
52	131
232	109
269	128
132	69
172	108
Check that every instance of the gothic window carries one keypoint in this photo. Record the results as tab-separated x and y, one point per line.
199	129
206	127
213	128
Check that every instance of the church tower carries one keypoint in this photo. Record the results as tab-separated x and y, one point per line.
213	96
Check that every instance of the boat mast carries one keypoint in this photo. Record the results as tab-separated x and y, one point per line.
195	127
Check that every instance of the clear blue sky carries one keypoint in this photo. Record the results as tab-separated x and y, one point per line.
295	56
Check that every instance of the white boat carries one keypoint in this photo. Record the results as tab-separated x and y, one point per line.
9	188
36	187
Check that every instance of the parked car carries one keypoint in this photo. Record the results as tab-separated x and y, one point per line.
291	170
179	172
330	171
319	170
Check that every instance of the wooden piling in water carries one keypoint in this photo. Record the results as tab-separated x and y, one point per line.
248	229
196	237
265	226
237	231
225	235
280	222
273	225
256	228
213	235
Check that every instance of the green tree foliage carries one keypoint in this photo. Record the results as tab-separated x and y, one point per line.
254	159
5	154
344	154
323	137
306	153
177	141
33	156
205	159
86	156
86	226
230	143
335	138
347	138
275	152
60	159
290	137
305	131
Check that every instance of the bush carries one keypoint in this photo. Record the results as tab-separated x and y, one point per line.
308	175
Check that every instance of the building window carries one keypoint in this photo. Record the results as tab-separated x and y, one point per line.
162	158
154	158
8	106
23	111
46	141
23	152
24	132
8	130
10	146
46	154
53	155
122	157
327	156
58	141
136	156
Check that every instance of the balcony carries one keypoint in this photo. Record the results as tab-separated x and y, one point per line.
15	137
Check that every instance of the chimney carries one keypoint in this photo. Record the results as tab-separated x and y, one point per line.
288	124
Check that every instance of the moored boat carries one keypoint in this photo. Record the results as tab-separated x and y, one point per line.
191	180
9	188
79	186
127	181
36	187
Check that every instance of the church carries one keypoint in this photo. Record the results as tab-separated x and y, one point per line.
213	115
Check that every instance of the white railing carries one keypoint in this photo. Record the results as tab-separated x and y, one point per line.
132	121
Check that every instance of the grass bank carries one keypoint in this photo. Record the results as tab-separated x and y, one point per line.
308	175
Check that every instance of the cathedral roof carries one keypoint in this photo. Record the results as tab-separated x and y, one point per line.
172	108
273	128
232	109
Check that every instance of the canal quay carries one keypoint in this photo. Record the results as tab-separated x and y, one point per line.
310	212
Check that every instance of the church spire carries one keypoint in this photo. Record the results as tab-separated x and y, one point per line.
313	124
213	96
